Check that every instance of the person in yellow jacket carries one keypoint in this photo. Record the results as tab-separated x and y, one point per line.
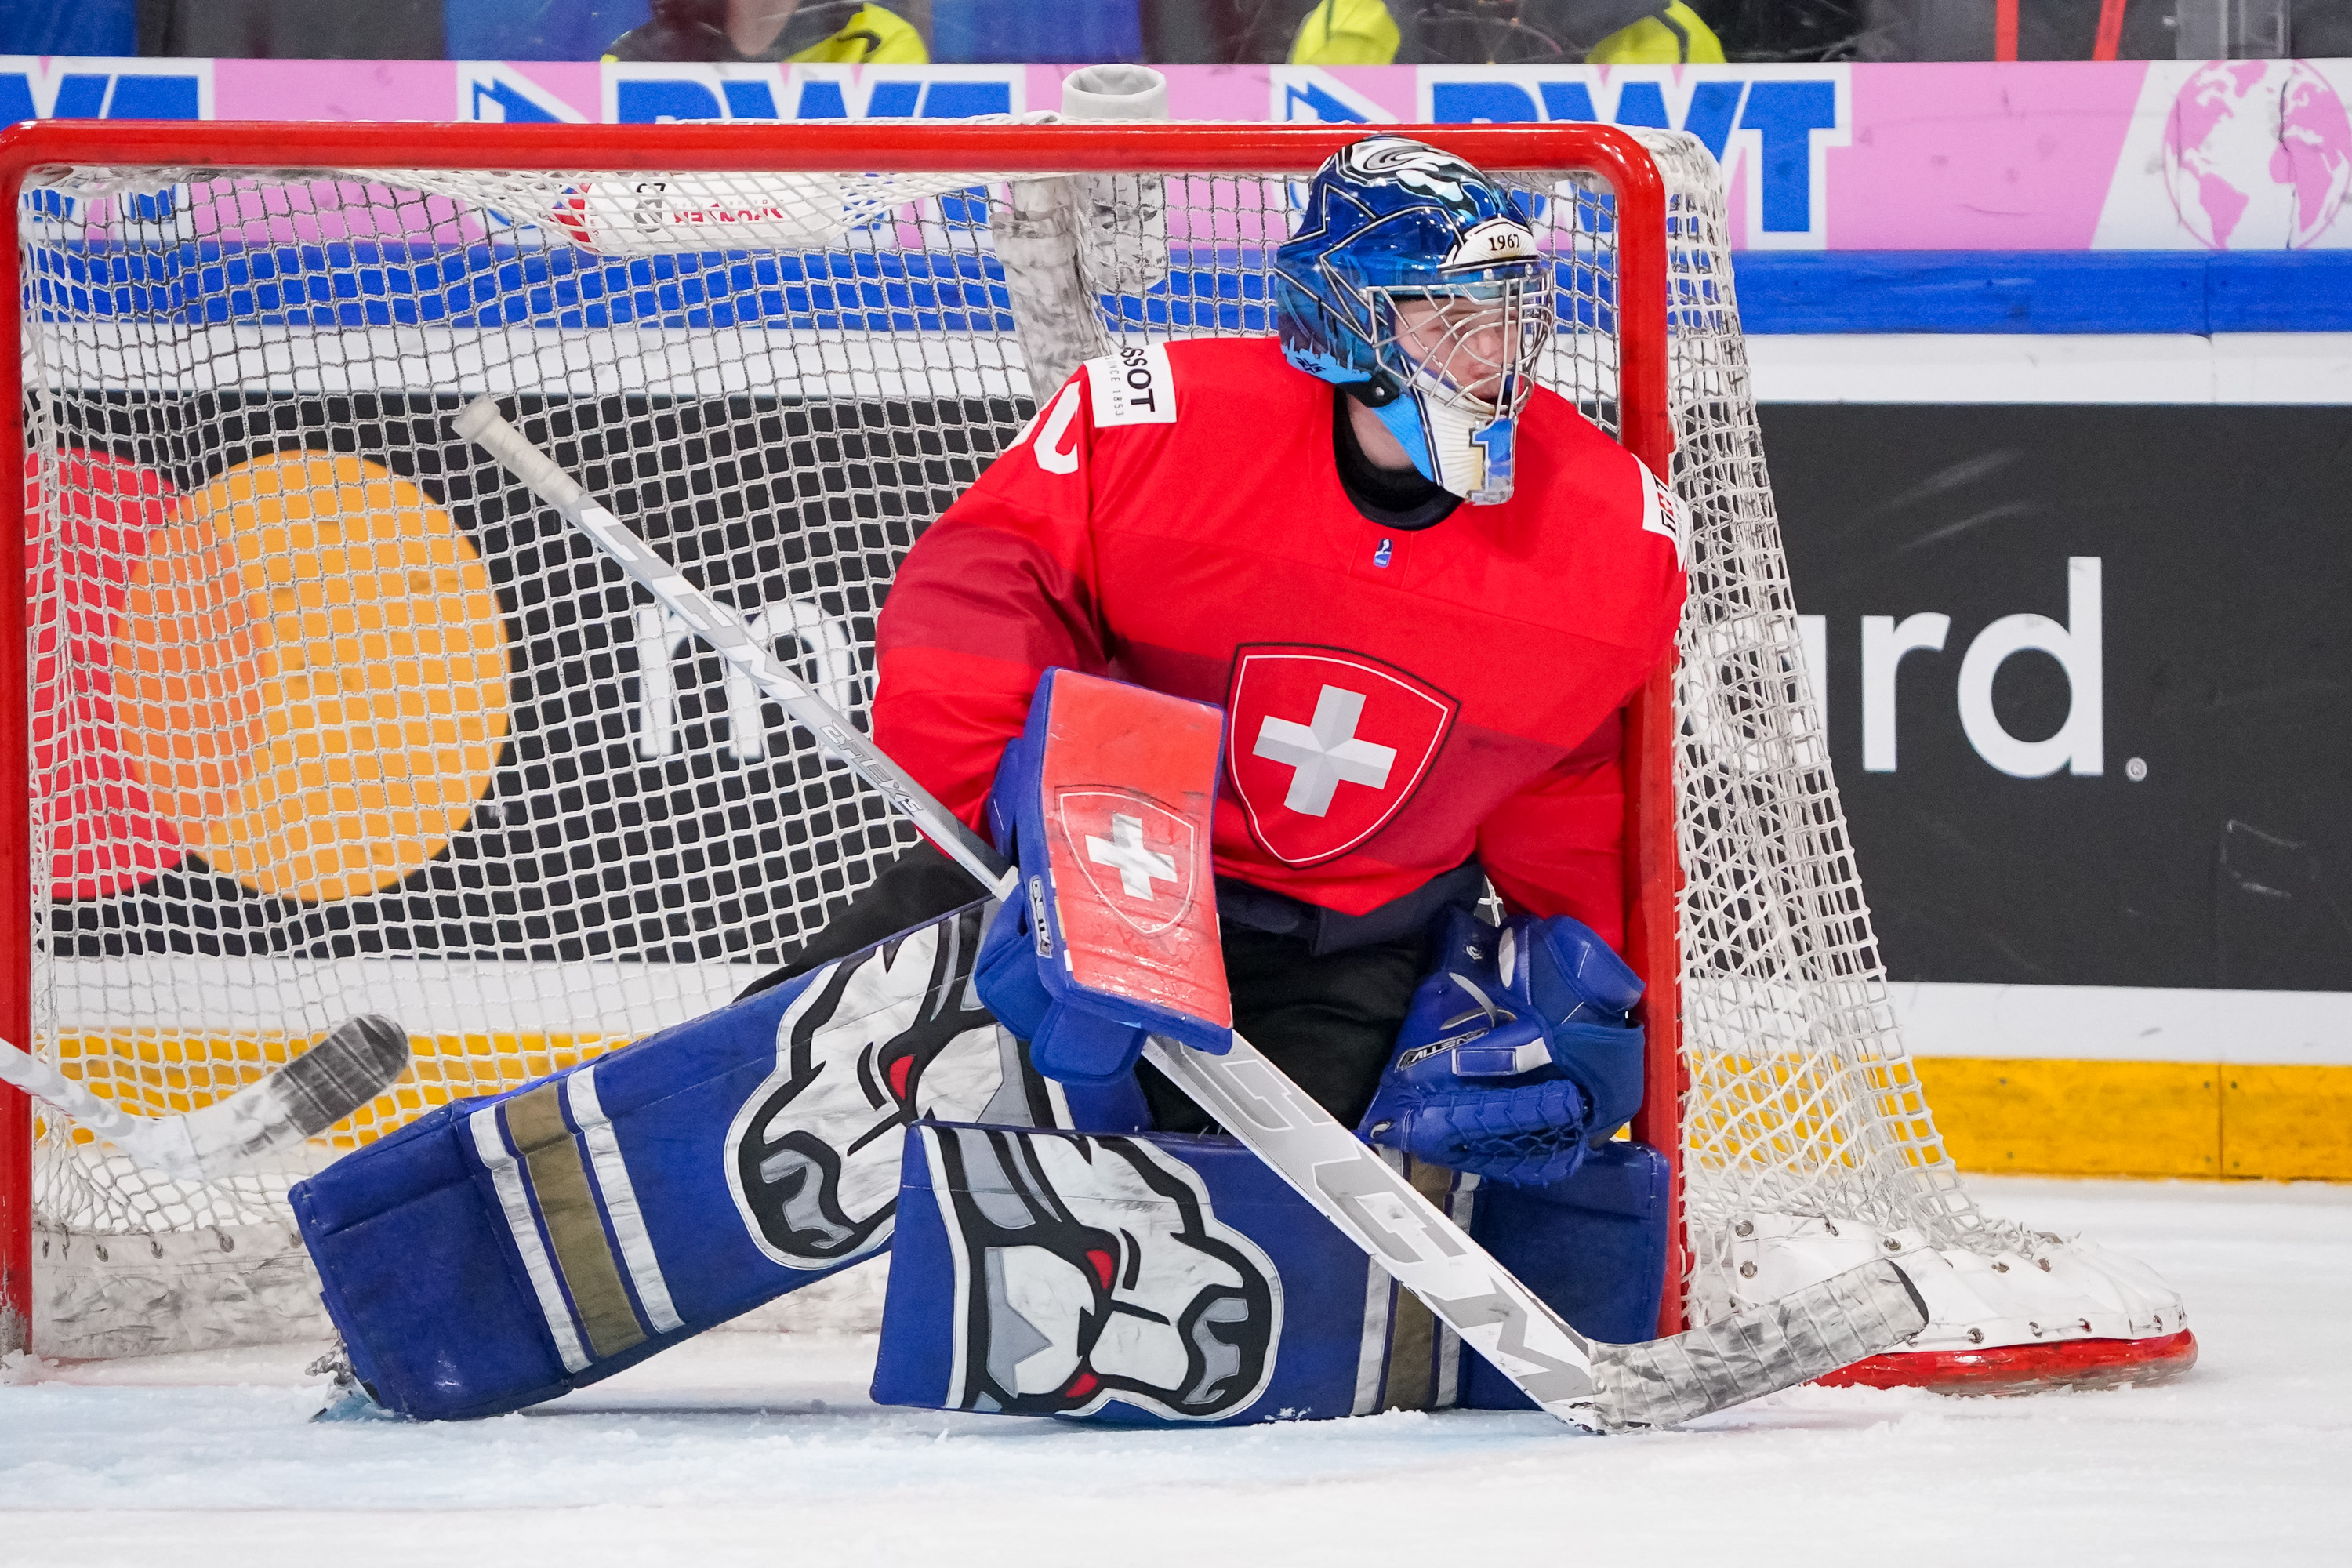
812	32
1628	32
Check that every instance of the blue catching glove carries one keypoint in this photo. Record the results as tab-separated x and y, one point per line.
1108	799
1515	1055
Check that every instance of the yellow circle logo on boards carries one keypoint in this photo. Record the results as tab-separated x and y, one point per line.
310	675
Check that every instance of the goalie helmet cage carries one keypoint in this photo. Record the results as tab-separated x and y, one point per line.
326	716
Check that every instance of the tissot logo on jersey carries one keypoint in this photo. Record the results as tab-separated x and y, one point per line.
1326	746
1132	386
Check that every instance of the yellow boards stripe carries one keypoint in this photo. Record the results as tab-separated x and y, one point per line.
2076	1118
165	1072
2034	1115
2287	1123
2066	1118
568	1205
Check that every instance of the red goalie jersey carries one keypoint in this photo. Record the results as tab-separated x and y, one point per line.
1395	701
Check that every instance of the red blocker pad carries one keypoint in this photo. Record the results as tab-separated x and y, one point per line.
1108	795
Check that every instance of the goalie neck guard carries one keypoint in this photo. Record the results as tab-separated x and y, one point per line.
1411	283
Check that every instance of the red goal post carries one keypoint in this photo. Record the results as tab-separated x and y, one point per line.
1607	154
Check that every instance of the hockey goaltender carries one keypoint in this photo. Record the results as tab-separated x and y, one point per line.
1292	673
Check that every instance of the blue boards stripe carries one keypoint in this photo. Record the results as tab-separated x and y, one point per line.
2044	291
355	283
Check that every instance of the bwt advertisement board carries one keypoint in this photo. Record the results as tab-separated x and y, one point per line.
2232	155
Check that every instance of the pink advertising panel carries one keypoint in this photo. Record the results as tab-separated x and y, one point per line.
2233	155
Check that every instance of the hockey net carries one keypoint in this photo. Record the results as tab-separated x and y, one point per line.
328	717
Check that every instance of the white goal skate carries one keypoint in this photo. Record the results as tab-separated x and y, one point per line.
330	718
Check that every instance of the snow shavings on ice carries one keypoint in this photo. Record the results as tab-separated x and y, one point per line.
764	1448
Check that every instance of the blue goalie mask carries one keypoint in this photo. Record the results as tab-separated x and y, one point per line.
1409	281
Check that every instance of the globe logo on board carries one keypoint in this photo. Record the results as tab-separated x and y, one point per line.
2257	154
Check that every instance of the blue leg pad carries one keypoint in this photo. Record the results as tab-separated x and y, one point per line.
1592	1247
1152	1279
499	1252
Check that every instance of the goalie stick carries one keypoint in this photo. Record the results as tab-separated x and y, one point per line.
1595	1387
309	1094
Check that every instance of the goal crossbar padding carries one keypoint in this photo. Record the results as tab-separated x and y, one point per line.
501	1251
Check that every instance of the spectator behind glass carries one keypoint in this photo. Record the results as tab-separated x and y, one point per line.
291	29
2097	29
1502	32
826	32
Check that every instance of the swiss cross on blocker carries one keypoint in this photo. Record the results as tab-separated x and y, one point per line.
1137	854
1325	746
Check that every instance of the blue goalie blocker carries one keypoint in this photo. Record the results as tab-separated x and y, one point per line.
499	1252
1154	1279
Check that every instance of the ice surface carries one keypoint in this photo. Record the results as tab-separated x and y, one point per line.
764	1448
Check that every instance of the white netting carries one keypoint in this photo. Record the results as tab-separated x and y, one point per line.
1802	1100
329	717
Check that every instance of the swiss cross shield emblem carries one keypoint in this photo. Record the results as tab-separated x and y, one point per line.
1326	746
1137	855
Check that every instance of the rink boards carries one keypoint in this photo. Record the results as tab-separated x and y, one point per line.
2029	1079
